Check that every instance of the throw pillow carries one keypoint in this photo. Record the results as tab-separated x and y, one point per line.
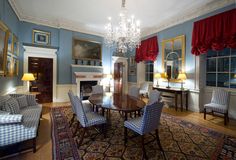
12	106
3	99
31	99
22	100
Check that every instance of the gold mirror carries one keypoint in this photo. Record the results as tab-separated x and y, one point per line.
173	56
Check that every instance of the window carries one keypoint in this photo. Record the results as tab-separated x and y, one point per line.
149	71
221	68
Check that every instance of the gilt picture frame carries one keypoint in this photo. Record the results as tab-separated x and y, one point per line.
40	37
3	47
86	50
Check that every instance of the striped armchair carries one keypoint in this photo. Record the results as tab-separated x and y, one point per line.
147	123
219	104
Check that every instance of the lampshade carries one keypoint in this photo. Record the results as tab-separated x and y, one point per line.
182	76
108	76
157	75
28	77
163	75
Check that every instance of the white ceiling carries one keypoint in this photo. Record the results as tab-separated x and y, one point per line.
90	16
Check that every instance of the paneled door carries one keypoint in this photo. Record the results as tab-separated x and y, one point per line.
42	68
118	77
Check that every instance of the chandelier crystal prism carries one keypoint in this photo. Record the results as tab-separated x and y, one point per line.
126	36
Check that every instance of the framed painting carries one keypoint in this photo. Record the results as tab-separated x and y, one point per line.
86	50
8	69
3	47
10	43
15	66
41	37
15	45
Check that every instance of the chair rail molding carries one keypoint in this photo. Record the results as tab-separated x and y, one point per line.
40	52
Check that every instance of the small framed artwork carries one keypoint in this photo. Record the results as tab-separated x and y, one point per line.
10	43
41	37
15	45
3	47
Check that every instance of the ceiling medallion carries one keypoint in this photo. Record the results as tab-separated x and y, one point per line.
125	36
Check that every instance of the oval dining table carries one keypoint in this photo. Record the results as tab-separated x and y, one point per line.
117	102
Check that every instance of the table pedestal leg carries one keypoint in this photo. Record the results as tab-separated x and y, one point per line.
125	129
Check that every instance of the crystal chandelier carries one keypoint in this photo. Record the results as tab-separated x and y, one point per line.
126	36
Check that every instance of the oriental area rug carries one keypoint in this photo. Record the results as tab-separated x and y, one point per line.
180	140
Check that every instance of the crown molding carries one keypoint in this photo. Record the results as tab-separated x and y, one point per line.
175	20
189	15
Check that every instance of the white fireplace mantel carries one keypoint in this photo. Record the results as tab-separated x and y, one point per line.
87	76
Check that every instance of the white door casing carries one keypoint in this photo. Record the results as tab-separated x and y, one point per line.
31	51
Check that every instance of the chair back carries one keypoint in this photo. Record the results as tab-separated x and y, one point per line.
72	101
144	86
220	96
154	96
134	91
98	89
151	117
79	111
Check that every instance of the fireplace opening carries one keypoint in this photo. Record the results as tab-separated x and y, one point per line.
86	89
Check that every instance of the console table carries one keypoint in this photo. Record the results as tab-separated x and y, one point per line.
176	92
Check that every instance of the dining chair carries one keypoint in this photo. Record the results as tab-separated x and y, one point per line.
134	91
87	120
147	123
97	89
144	89
219	104
87	106
154	96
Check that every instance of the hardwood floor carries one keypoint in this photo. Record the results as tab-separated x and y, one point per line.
44	145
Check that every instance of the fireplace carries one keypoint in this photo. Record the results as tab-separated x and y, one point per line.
86	89
85	81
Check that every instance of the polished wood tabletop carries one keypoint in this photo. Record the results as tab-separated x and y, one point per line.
116	101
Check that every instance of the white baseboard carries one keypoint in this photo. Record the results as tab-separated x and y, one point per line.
62	90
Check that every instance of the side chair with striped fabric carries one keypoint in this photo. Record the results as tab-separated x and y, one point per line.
145	124
87	120
219	104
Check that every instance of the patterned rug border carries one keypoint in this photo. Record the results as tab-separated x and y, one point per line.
54	145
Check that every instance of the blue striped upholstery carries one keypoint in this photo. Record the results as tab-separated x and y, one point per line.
154	96
98	89
10	118
3	99
219	101
87	119
86	105
144	88
12	106
22	101
134	91
27	129
149	121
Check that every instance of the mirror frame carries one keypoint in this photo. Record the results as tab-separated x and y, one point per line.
182	38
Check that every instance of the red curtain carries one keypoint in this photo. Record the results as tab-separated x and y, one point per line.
215	33
148	50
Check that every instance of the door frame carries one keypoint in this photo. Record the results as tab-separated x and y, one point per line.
40	52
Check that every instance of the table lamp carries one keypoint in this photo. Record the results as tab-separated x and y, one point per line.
182	77
28	77
157	76
165	76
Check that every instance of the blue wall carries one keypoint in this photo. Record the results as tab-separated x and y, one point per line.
8	16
